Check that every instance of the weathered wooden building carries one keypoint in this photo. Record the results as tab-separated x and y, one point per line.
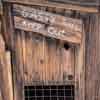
50	50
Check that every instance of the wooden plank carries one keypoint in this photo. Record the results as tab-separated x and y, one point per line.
38	62
79	2
0	95
2	49
1	8
68	63
92	60
30	65
45	62
80	71
41	16
6	85
7	26
17	61
2	44
49	31
9	75
53	63
34	53
56	5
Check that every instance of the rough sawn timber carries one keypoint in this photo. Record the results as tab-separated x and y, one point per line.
49	18
51	31
56	5
6	86
92	58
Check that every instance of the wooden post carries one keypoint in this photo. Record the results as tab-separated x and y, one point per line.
6	92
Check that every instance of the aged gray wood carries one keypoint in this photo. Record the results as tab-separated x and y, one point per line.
51	31
74	25
18	81
79	2
7	26
92	58
56	5
17	64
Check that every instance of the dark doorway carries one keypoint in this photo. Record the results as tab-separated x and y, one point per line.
53	92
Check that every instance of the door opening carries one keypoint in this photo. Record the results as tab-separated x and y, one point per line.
49	92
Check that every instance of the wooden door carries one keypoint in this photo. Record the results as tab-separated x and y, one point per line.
44	48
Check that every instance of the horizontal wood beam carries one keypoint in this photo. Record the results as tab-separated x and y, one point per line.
49	31
56	5
79	2
45	17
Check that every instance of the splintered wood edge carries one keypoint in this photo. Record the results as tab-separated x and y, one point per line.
57	5
50	31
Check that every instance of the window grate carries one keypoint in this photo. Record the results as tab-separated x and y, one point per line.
61	92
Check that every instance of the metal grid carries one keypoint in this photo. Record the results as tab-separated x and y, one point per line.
53	92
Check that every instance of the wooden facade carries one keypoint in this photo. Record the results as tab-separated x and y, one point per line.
48	42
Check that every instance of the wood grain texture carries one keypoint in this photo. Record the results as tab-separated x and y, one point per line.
17	62
43	60
49	18
48	31
56	5
7	25
38	59
1	8
93	57
0	95
39	56
79	2
68	63
6	86
80	70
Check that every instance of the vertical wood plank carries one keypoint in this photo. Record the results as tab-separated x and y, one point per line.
58	70
68	62
0	95
52	59
93	57
17	59
34	57
80	68
7	23
9	75
1	9
6	85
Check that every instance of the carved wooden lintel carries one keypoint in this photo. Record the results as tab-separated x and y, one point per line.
47	30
